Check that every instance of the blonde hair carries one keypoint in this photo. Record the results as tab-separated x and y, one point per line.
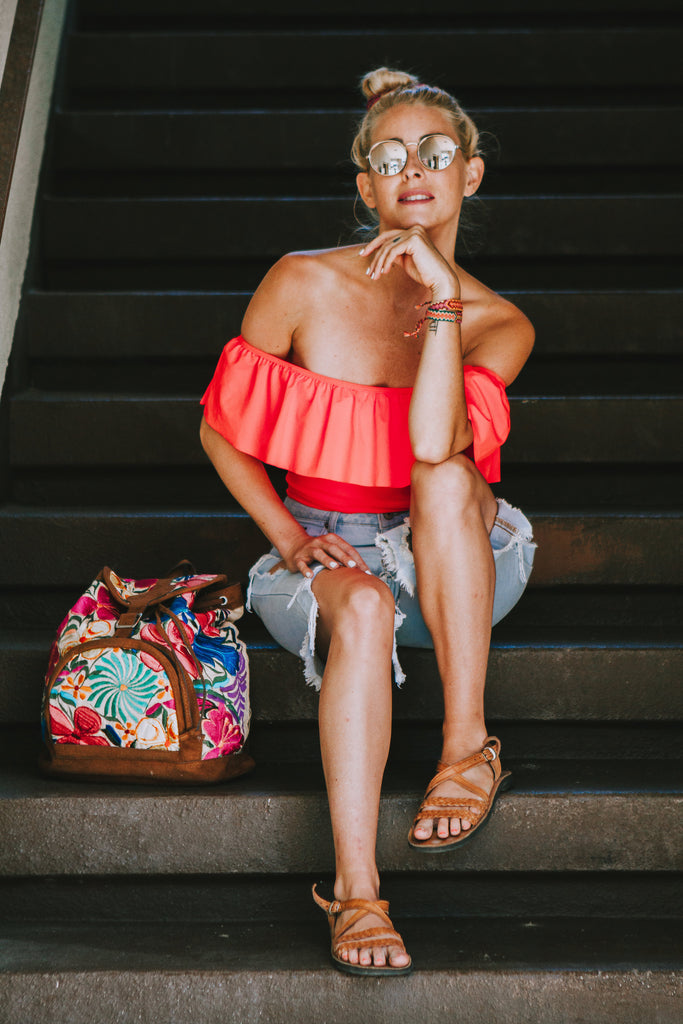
385	88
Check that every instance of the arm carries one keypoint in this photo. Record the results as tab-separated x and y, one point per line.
438	419
268	324
438	422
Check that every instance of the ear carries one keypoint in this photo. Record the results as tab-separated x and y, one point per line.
474	174
365	189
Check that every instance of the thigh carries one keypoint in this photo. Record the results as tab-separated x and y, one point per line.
513	549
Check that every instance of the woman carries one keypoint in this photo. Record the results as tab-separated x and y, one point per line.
375	413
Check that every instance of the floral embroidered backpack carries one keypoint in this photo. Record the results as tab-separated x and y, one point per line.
148	681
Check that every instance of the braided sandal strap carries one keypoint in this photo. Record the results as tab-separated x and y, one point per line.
384	935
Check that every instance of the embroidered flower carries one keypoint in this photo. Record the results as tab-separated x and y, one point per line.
82	731
150	734
170	637
220	728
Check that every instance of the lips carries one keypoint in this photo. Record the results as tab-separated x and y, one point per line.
415	196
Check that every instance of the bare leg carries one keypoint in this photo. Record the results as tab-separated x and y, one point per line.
355	629
452	513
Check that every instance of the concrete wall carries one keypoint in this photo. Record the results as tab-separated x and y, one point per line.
17	230
7	9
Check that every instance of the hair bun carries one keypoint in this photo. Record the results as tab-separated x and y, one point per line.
382	80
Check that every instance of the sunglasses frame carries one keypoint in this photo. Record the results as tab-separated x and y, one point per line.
432	135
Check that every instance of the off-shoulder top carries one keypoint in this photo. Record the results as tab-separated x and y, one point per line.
346	446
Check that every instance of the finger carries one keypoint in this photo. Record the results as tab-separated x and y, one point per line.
377	241
301	565
343	551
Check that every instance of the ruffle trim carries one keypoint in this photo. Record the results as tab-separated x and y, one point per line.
317	426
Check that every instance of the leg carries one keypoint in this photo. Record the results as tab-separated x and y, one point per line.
355	632
452	513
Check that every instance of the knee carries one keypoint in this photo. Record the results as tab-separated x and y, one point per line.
368	602
453	484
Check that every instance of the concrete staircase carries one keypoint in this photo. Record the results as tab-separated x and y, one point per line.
155	222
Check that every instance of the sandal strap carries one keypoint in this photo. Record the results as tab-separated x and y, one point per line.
333	907
471	808
367	937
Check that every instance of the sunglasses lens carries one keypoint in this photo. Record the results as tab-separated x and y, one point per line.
436	152
388	157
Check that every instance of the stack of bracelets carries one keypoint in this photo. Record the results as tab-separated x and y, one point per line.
449	310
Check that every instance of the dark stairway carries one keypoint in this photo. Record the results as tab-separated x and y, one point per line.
155	222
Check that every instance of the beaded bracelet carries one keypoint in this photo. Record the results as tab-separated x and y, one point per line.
447	310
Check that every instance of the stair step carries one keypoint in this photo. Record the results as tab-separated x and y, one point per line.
562	971
577	429
223	899
243	229
623	816
589	682
85	325
548	614
552	487
108	12
229	140
64	547
460	59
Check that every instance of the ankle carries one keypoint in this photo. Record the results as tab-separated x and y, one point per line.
462	742
358	886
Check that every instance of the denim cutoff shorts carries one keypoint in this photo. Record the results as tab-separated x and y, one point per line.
288	607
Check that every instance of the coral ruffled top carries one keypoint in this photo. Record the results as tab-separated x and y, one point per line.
346	446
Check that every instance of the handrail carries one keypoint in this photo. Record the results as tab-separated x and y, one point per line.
14	90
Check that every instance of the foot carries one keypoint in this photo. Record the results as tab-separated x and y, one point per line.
379	945
376	956
460	796
480	775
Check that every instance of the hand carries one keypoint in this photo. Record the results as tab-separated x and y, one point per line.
413	251
328	549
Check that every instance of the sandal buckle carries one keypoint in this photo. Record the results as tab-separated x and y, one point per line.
493	756
334	907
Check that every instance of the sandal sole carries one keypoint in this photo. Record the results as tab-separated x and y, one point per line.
372	972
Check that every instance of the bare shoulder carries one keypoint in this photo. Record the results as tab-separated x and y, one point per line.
501	336
281	302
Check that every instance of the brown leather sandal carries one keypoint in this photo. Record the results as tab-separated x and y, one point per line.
367	939
474	809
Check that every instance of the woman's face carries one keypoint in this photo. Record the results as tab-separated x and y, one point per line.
417	195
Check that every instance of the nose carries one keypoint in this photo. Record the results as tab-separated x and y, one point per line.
413	165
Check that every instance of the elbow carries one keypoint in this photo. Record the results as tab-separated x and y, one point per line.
431	454
205	434
435	453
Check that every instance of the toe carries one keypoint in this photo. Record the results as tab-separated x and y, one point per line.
423	828
365	957
466	825
455	826
379	957
443	828
398	957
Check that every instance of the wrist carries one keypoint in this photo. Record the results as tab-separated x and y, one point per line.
445	289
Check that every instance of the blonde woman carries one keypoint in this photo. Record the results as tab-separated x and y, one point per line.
375	374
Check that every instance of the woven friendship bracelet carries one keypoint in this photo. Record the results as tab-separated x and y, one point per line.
448	310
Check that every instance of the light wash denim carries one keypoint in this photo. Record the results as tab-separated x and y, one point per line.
287	605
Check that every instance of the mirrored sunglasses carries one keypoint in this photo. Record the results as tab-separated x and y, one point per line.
435	152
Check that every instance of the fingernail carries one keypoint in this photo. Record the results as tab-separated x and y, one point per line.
351	564
362	252
367	572
334	565
367	271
